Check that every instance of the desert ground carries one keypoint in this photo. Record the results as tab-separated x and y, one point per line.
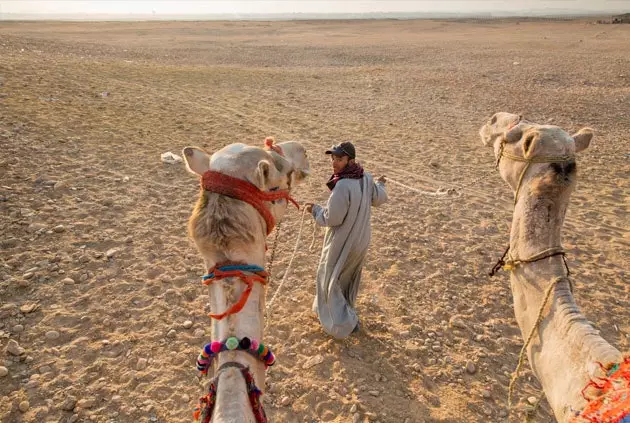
100	285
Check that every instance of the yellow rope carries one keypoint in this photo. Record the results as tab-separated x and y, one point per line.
521	356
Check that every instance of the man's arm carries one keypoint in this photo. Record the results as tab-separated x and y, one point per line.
336	210
379	195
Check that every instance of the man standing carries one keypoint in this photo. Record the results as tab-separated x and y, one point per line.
347	221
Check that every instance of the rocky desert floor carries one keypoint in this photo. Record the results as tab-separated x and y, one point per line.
101	306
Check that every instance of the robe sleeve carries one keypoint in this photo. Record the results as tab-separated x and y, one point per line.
337	208
379	195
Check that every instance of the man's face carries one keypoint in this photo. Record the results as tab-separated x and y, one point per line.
339	162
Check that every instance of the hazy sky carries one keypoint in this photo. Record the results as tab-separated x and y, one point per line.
164	7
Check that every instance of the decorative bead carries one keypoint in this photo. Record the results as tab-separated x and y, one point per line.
261	348
245	343
254	345
231	343
215	347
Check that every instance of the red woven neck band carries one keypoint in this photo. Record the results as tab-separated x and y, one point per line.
245	191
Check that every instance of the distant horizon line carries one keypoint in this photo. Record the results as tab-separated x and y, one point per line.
531	13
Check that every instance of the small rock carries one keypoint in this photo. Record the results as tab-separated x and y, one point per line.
532	400
187	324
353	409
29	308
18	329
3	371
86	403
111	252
186	398
313	361
486	394
24	406
471	368
285	401
68	281
60	185
458	322
199	333
14	348
141	364
52	334
59	229
436	348
28	275
74	418
374	393
69	403
172	333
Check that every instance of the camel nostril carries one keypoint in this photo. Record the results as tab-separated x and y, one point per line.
563	168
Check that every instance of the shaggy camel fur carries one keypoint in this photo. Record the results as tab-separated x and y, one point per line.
227	229
565	348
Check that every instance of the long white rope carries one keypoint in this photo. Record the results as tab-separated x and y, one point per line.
288	269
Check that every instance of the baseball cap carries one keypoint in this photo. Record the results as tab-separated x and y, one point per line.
343	149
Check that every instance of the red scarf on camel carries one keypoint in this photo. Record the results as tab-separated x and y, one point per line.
351	171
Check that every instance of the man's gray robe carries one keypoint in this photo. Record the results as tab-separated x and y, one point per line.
347	219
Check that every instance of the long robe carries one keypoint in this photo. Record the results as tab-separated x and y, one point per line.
347	219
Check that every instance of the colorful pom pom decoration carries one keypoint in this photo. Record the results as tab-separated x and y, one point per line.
255	348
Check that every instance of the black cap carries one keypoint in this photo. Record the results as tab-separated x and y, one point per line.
343	149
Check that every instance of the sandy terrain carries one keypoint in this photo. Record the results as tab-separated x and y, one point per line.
97	276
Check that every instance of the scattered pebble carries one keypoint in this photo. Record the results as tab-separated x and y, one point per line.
199	333
285	401
172	333
186	398
374	393
532	400
52	334
486	394
18	329
24	406
69	403
187	324
111	252
354	409
59	229
68	281
141	364
3	371
471	368
14	348
28	275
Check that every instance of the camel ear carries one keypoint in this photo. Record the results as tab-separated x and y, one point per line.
262	173
582	139
197	160
514	134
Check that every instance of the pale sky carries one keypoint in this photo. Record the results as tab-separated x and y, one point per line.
166	7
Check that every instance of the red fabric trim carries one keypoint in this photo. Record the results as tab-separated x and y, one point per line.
245	191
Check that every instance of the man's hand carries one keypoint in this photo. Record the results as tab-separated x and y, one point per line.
382	179
308	207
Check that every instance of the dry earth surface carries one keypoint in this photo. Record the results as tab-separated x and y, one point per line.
100	285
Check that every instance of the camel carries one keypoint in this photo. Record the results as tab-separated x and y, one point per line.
229	229
538	163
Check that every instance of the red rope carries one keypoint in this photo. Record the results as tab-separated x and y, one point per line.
613	403
245	191
260	277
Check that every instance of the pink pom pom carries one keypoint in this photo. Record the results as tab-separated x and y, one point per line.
215	347
269	142
254	345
